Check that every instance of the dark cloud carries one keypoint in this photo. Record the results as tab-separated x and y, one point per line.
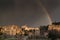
53	7
28	11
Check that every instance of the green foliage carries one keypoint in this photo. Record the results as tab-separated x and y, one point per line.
1	33
1	38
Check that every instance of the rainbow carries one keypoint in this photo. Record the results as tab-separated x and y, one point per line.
45	11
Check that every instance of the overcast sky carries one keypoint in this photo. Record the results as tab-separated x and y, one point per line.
28	12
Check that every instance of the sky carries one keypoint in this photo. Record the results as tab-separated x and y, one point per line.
28	12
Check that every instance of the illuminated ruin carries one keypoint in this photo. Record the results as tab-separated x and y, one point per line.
14	29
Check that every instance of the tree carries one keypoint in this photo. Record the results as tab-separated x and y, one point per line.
26	33
52	34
